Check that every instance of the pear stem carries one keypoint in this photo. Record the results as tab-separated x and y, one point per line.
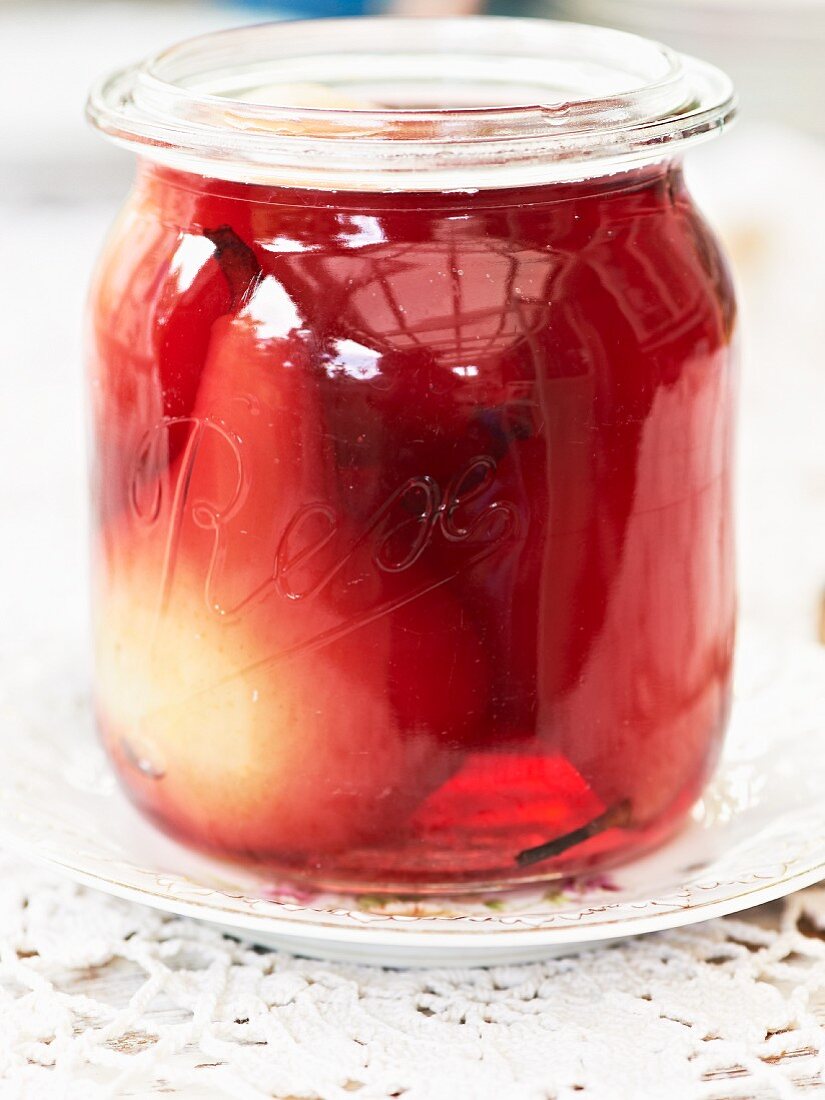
238	262
617	817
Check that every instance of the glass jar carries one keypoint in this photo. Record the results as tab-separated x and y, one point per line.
412	408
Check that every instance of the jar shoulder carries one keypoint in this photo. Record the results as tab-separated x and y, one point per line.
636	267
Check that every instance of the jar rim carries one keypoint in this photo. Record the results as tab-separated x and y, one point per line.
431	104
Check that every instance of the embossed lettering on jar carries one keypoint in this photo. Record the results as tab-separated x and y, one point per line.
413	417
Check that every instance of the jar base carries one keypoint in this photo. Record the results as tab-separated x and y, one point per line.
613	848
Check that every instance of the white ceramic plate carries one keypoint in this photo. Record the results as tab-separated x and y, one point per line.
758	834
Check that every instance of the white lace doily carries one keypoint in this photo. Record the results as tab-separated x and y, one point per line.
100	998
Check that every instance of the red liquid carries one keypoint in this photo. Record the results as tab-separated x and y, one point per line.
415	522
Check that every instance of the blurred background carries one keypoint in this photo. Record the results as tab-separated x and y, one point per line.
762	185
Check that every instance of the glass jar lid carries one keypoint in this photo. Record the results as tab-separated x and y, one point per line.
412	104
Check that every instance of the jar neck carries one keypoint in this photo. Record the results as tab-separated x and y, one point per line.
413	105
176	195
